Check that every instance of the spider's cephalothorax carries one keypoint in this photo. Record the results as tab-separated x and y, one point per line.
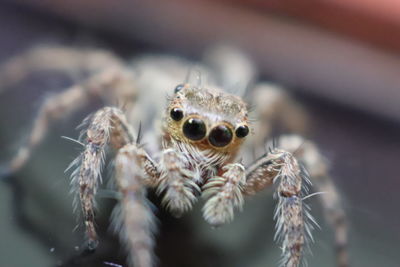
209	121
203	129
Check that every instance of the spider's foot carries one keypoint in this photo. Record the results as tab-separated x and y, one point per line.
5	173
91	245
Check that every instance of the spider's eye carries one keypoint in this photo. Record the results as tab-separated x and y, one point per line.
242	131
194	129
176	114
178	88
220	136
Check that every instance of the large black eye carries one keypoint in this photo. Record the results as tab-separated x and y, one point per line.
242	131
194	129
178	88
220	136
176	114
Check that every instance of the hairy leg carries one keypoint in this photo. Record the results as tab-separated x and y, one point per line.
133	218
69	61
225	194
317	165
274	106
106	126
110	82
292	218
231	69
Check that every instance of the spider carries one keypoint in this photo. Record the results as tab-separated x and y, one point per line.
192	152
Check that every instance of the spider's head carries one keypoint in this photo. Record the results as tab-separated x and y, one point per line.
206	118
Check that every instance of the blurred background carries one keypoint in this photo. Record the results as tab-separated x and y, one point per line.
338	58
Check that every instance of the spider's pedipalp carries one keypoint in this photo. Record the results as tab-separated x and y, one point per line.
177	182
133	218
107	125
224	194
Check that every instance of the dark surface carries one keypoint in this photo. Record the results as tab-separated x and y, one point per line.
36	208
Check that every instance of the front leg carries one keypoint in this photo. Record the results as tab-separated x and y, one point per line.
134	171
292	229
133	218
108	126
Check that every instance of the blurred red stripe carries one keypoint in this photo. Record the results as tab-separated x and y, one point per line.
374	22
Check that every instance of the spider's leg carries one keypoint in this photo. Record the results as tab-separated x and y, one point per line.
224	194
106	126
63	104
66	60
232	69
274	106
177	182
308	153
133	217
292	229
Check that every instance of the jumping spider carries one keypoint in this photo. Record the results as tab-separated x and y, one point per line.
203	132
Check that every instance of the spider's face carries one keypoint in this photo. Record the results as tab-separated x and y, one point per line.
207	119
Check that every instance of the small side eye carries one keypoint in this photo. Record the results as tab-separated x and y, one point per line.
242	131
176	114
178	88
